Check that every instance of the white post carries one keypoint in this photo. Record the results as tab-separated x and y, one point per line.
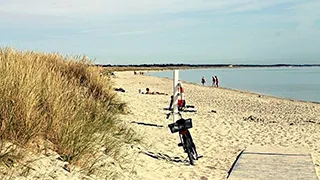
175	94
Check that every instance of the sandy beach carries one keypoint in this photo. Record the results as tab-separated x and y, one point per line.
241	119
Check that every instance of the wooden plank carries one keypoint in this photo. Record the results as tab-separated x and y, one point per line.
269	163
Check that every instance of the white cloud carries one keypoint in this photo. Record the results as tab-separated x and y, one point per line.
125	7
198	27
50	7
254	5
307	14
40	13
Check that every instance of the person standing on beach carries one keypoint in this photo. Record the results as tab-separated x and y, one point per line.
217	81
203	80
213	81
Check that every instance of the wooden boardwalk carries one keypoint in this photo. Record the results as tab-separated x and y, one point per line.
261	163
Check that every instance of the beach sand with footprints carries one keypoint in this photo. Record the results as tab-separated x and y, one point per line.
226	122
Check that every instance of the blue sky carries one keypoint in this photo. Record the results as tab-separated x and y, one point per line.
166	31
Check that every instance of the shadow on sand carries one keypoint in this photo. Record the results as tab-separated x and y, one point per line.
147	124
161	156
166	157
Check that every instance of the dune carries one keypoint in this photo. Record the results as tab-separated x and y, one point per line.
226	122
240	119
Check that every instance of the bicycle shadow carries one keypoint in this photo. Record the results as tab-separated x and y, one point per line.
160	156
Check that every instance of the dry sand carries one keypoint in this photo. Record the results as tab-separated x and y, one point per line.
241	119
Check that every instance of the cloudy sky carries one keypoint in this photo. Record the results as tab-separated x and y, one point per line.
166	31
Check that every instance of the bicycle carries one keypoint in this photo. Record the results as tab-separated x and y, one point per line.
186	141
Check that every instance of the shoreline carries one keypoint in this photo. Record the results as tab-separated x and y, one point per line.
268	96
237	90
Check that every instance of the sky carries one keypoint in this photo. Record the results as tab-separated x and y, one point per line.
166	31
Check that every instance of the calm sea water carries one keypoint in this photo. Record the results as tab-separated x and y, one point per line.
300	83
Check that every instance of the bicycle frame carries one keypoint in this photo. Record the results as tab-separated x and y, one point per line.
183	136
186	134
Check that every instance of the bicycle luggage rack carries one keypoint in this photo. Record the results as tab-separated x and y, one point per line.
181	124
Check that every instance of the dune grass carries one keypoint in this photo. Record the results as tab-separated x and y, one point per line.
62	100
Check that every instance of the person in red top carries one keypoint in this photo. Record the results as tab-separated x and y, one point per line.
181	100
217	81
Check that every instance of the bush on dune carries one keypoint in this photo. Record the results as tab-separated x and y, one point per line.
65	101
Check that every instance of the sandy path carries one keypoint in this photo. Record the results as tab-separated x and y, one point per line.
219	136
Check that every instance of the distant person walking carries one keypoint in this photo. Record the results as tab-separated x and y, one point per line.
213	81
217	81
203	81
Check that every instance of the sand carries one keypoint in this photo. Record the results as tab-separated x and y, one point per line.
242	119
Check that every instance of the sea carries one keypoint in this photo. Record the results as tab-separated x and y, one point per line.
298	83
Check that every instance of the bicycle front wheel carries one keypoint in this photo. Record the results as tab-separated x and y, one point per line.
190	150
190	156
193	148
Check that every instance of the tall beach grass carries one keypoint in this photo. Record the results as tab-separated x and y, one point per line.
62	100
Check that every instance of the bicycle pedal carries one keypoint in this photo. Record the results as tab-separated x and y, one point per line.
180	144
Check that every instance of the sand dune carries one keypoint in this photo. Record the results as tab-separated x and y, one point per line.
241	119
